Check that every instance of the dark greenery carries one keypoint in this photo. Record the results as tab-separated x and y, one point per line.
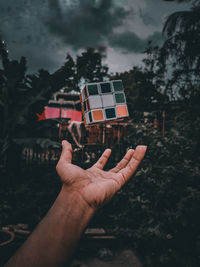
29	198
180	55
159	208
23	95
142	85
157	211
86	67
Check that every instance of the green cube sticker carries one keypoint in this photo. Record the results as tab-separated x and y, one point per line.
105	88
120	98
93	89
118	86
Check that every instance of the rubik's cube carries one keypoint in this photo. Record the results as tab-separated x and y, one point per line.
103	101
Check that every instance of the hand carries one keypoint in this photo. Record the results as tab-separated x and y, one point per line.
95	185
82	193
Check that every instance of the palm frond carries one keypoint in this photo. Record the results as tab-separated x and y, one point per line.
179	21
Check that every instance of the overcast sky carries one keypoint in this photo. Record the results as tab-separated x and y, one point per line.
45	30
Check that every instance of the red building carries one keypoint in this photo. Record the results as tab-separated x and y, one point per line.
63	106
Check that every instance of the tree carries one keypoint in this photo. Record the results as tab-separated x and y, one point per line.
21	96
13	90
89	66
143	84
180	53
66	76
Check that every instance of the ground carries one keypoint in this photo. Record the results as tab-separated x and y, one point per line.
124	257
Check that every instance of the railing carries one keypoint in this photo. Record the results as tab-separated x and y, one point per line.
40	156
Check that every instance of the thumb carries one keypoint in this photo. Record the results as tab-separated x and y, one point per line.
66	154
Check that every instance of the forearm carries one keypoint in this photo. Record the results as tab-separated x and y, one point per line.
54	239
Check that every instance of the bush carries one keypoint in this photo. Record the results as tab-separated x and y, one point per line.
158	210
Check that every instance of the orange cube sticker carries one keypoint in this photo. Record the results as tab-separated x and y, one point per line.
97	115
122	111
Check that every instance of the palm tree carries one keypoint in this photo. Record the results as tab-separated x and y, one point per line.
182	30
20	96
180	52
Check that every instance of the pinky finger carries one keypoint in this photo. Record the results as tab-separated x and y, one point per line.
123	163
103	159
126	173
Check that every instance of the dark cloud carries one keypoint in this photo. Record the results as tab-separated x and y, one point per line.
88	24
156	11
131	42
44	30
21	26
147	18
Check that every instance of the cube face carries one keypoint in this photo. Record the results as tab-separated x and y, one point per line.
110	113
84	94
120	98
92	89
118	86
108	100
95	102
122	111
88	104
88	117
85	105
105	88
94	116
98	115
103	101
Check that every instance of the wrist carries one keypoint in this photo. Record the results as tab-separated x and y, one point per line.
70	197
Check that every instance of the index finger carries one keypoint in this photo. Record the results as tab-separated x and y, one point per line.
66	154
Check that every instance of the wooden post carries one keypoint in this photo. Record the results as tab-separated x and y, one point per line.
60	130
60	124
104	134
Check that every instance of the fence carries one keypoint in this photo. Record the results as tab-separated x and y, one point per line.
98	137
40	156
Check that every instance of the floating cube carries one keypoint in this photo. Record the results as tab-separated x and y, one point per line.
103	101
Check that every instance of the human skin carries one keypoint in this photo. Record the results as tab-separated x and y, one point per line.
83	191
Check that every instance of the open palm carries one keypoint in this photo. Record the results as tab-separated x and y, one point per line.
95	185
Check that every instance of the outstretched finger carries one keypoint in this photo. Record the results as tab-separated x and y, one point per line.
126	173
123	163
103	159
66	154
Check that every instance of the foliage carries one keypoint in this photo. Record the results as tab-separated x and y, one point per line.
180	53
66	75
29	199
86	67
158	210
23	95
143	85
89	66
